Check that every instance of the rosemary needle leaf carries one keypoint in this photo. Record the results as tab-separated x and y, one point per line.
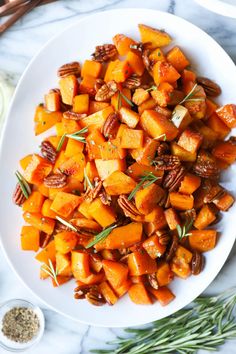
126	99
76	136
183	231
190	96
66	223
61	142
26	190
101	236
87	182
150	177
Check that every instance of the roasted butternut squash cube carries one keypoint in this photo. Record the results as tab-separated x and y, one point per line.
97	119
136	62
156	215
180	268
145	154
84	209
67	126
74	166
139	263
129	117
40	222
189	184
108	293
164	274
37	169
63	265
103	214
53	101
164	72
151	227
122	290
34	203
95	106
172	218
109	69
106	167
190	140
202	240
225	202
91	170
65	203
157	125
81	103
153	247
117	101
119	183
94	141
47	253
150	103
122	43
73	147
157	55
177	58
131	139
121	71
91	68
147	198
140	96
30	238
181	201
225	151
181	117
227	114
46	209
80	264
137	170
163	94
163	295
182	154
111	150
216	124
183	254
45	119
115	272
87	85
157	38
65	241
139	295
69	88
205	217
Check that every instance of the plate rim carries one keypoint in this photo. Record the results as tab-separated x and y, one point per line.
3	136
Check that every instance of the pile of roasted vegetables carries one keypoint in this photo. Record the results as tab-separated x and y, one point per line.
121	197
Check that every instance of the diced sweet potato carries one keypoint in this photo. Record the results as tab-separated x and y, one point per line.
122	237
139	295
164	72
106	167
227	114
140	95
122	43
209	136
37	169
182	154
205	217
61	279
151	227
92	279
69	88
67	126
103	214
110	255
139	263
129	117
46	209
189	184
95	106
183	254
163	94
81	103
109	69
156	215
73	147
63	265
97	119
180	268
181	117
177	58
153	247
122	290
53	101
30	237
132	139
157	38
80	264
65	203
136	63
148	104
225	151
163	295
164	274
34	203
40	222
216	124
111	150
74	166
115	272
91	68
48	253
225	202
147	198
136	170
121	71
94	141
87	85
45	119
108	293
145	154
181	201
190	140
202	240
65	241
172	218
157	125
25	161
119	183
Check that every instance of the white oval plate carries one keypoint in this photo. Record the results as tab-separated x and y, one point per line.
77	43
221	7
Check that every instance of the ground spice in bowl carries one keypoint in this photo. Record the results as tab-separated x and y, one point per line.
20	324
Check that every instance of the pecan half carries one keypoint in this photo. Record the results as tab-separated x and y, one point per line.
111	126
173	247
132	82
59	227
105	198
188	215
95	297
74	115
81	290
48	151
216	192
44	239
106	91
206	169
98	84
174	178
128	207
55	90
232	140
55	181
166	162
152	279
197	263
93	193
210	87
18	197
105	52
163	236
147	62
163	149
72	68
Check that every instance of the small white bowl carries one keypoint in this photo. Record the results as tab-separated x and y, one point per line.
221	7
10	345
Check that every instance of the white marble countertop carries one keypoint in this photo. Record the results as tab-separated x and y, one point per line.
17	47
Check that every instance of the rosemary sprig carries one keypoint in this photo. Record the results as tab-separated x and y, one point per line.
190	96
208	323
87	182
121	95
76	136
51	271
118	101
161	136
101	236
66	223
146	177
26	190
183	231
152	88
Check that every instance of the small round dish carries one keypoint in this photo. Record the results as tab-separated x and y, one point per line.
10	345
221	7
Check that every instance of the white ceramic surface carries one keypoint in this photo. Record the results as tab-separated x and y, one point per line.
76	43
221	7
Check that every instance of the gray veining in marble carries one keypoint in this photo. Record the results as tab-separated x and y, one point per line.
17	47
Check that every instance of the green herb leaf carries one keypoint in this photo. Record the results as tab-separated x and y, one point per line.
126	99
66	223
118	101
76	136
183	231
161	136
147	177
208	323
87	182
191	94
51	271
152	88
26	190
61	142
102	235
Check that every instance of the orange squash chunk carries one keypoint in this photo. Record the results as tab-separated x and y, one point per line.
139	295
145	154
108	74
73	147
136	63
172	218
65	203
115	272
129	117
139	263
74	166
137	170
157	38
163	295
92	279
34	203
205	217
69	88
91	68
216	124
111	150
121	71
87	85
53	101
119	183
94	142
151	227
37	169
65	241
45	119
106	167
189	184
30	237
177	58
150	103
157	55
80	264
181	201
48	253
40	222
108	293
225	202
164	274
63	265
182	154
81	103
140	96
60	280
97	119
147	198
118	102
190	140
91	170
95	106
202	240
225	151
122	43
103	214
180	268
122	290
164	72
132	139
153	247
227	114
46	209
